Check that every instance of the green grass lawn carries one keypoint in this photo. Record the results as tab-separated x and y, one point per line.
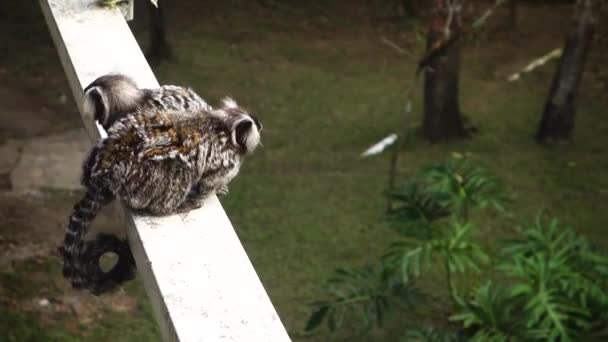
305	203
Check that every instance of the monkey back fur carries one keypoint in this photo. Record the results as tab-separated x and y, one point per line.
158	158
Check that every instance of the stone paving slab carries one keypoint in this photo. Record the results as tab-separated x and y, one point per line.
49	162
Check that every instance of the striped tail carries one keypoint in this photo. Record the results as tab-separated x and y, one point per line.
81	259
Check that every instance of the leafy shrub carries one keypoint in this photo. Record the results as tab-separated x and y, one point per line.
367	292
546	284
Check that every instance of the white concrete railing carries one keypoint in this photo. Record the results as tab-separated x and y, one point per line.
195	271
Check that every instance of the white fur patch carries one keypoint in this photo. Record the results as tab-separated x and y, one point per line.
253	138
88	104
252	135
124	95
229	102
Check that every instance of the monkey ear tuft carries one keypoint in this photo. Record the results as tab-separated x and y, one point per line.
229	102
246	135
257	122
241	130
96	105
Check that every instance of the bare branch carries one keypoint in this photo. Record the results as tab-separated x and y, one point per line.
392	172
536	63
484	17
393	45
448	23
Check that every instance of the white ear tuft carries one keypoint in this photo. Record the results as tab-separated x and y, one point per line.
245	134
124	95
95	105
88	104
229	102
253	139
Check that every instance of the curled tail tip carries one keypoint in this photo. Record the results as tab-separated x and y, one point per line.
90	276
81	258
121	272
124	269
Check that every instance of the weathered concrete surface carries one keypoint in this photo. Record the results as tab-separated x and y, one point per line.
9	155
50	162
22	116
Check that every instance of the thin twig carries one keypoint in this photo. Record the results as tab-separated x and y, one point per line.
392	175
452	38
448	23
484	17
393	45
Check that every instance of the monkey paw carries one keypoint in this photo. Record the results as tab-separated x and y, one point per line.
222	190
189	204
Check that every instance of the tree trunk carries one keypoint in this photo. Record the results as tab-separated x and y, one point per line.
513	14
442	118
413	7
557	122
159	46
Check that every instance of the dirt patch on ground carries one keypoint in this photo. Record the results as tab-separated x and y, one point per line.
21	117
31	229
41	149
50	298
32	224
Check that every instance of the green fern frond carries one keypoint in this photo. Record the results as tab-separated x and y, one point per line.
469	186
368	292
431	335
415	209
